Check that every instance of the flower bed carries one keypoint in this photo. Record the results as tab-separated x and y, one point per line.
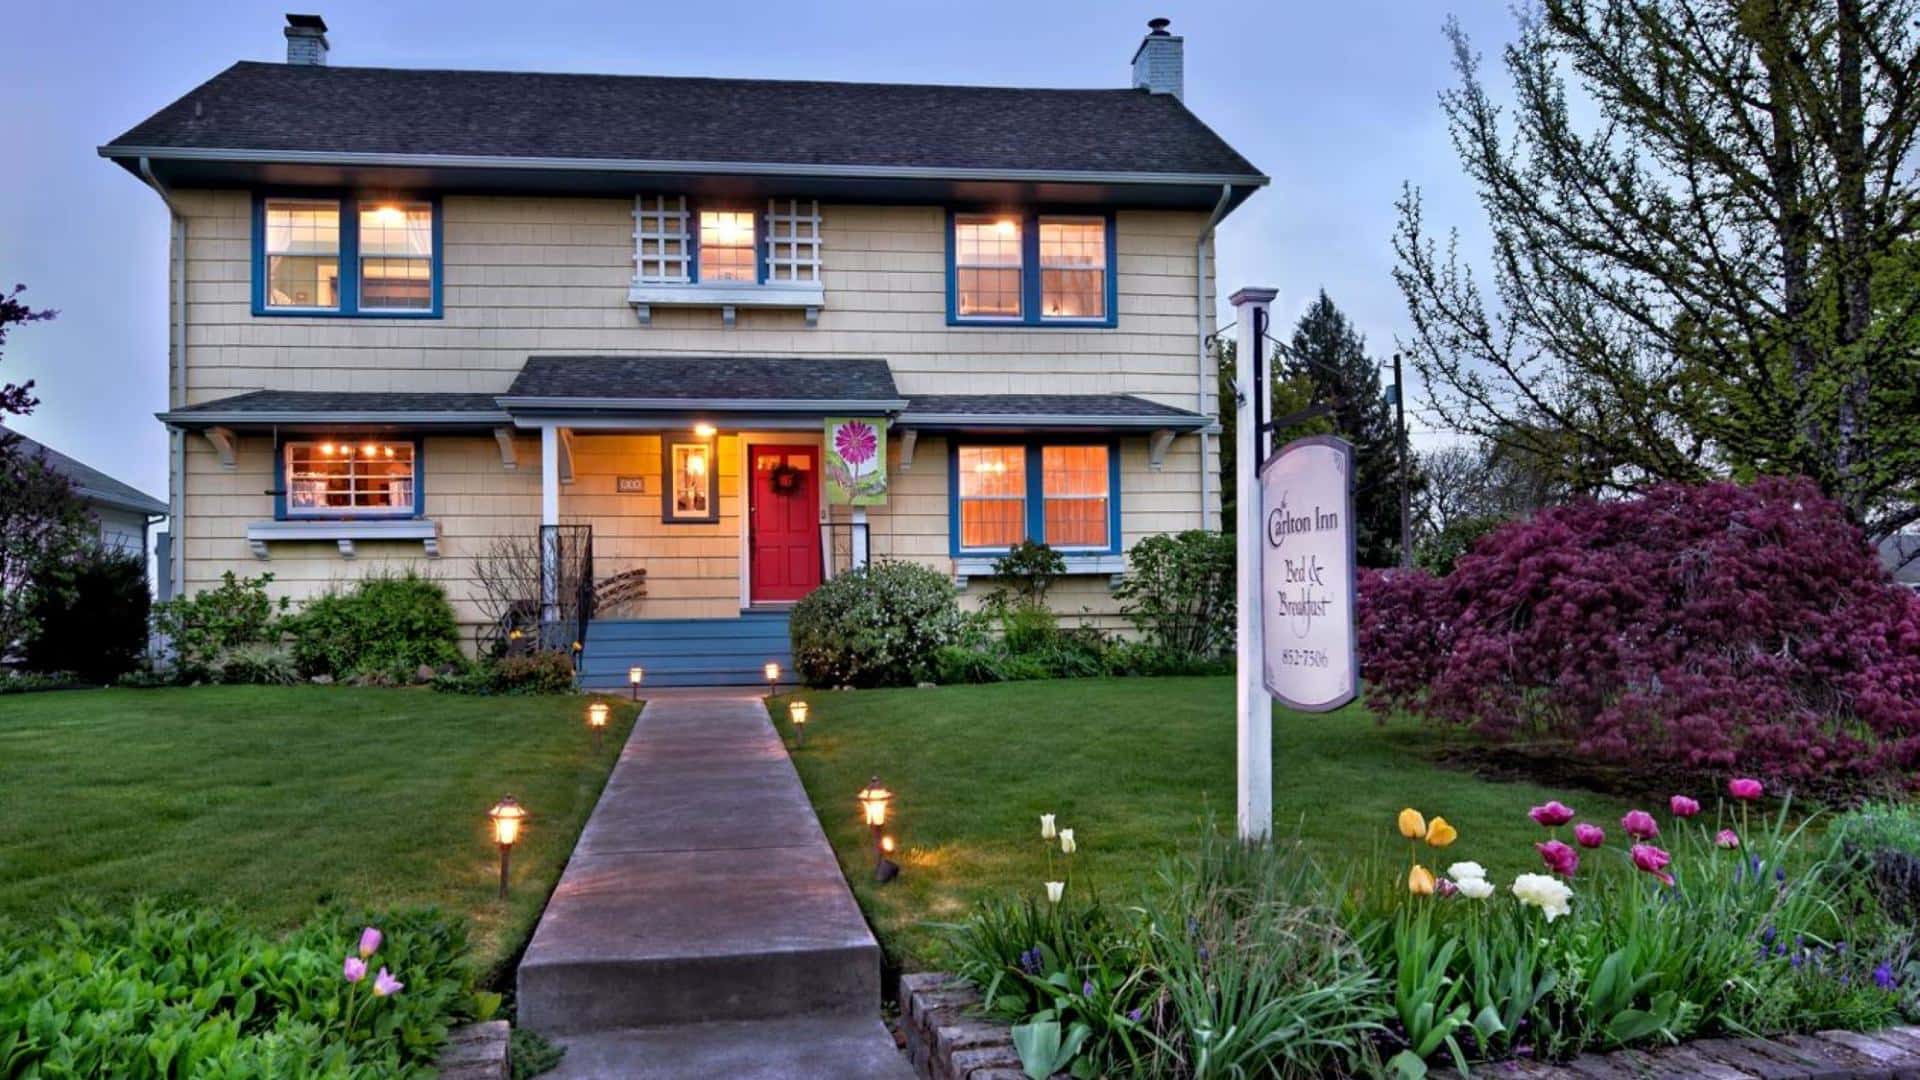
1660	929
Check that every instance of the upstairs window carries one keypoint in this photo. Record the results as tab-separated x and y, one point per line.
1030	268
676	243
727	251
351	478
346	256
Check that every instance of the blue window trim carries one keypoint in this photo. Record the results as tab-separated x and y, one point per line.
693	240
280	441
1030	314
1036	493
349	258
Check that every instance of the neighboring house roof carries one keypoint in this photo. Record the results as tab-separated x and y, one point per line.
90	483
392	112
713	382
1900	554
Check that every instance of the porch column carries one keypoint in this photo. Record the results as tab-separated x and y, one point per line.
549	537
859	537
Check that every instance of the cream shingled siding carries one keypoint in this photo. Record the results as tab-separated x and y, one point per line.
550	275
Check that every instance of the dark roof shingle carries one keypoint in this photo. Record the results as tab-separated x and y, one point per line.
1015	405
318	401
88	482
271	107
704	378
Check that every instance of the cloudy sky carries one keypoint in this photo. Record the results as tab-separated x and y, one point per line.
1335	101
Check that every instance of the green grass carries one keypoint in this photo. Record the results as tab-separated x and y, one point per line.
281	800
1135	767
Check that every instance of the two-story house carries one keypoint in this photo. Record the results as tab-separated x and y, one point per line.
418	312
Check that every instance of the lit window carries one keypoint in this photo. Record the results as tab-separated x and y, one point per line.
986	266
396	257
726	245
1074	486
1073	268
993	496
335	477
303	254
691	492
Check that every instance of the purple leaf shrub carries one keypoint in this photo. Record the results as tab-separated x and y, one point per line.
1714	626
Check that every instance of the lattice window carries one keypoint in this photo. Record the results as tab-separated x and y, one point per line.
793	240
662	248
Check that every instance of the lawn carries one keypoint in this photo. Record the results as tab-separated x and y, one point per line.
1135	767
280	800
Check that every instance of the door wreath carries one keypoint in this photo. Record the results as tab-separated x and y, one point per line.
784	479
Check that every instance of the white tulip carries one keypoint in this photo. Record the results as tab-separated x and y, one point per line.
1054	889
1046	827
1066	841
1474	888
1549	894
1466	871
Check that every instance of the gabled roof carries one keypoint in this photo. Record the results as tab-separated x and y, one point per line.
90	483
713	382
485	114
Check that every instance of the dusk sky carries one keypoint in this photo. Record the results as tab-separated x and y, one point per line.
1335	101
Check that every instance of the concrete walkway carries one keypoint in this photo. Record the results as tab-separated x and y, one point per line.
702	927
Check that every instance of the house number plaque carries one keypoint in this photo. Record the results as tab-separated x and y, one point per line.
630	485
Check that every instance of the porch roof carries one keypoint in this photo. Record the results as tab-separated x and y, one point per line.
722	384
263	408
1027	412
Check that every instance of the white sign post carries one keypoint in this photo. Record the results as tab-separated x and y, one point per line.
1306	570
1255	708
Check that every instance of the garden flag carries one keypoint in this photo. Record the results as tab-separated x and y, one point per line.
856	462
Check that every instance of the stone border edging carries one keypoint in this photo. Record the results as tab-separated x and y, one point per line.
947	1040
476	1052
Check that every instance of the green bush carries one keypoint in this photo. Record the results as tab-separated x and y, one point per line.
1179	592
1885	839
1030	567
258	665
1029	628
162	993
383	626
202	627
878	626
33	682
522	673
90	615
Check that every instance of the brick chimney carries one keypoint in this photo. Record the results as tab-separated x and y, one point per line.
307	40
1159	64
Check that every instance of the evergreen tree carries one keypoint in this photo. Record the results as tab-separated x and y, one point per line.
1331	357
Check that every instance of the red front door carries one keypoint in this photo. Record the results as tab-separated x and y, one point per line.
784	518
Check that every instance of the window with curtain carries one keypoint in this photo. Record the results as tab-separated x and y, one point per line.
727	246
1074	481
302	248
396	257
987	266
1073	267
343	477
993	496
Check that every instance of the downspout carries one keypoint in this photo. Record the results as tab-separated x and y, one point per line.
177	390
1200	314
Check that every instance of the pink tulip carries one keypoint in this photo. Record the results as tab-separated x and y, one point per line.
1553	815
1683	806
1640	825
1589	835
355	969
1727	838
1745	789
1559	858
385	985
1653	861
1445	887
369	942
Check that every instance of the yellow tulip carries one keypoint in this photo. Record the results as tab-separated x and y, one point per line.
1412	825
1440	834
1420	881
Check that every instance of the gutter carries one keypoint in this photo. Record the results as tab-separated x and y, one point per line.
631	165
1200	314
1055	420
177	391
690	405
210	417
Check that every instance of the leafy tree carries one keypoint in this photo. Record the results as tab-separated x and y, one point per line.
1703	219
90	611
41	519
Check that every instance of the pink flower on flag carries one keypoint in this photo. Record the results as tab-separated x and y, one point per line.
855	442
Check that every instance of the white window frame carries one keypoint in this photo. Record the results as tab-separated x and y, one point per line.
339	254
360	257
1040	223
661	219
1106	495
794	227
961	499
1020	268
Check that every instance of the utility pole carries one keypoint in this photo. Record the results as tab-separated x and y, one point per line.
1406	494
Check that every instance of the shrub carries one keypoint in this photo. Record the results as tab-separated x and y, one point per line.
199	628
258	665
1885	838
33	682
1439	551
384	625
90	614
1029	628
544	672
1030	567
187	992
1695	626
1179	591
877	626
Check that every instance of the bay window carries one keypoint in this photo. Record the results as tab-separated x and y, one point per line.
1060	492
346	256
341	477
1031	269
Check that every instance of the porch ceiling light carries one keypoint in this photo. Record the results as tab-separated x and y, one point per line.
705	431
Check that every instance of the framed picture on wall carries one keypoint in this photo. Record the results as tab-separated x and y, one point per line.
690	489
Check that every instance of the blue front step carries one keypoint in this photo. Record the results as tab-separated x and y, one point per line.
686	652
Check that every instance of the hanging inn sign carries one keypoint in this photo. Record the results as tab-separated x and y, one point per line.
1306	575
